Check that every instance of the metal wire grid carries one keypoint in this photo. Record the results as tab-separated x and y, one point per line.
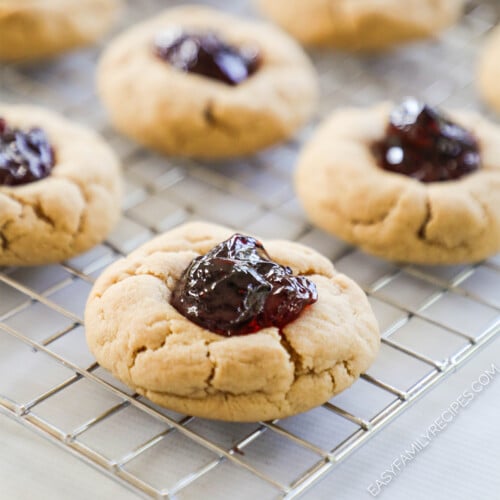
433	319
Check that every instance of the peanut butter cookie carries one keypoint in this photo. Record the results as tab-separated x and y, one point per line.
250	370
200	83
489	70
364	25
32	29
60	187
406	184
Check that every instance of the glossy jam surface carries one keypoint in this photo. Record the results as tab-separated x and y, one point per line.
25	156
208	55
236	289
422	143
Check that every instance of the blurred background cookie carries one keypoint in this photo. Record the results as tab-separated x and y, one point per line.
32	29
361	24
60	187
197	82
489	70
406	183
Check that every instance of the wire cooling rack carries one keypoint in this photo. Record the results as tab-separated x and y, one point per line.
432	319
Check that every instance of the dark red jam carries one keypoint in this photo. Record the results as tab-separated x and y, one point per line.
25	156
206	54
424	144
236	289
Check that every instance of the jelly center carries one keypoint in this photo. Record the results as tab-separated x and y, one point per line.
208	55
422	143
236	289
25	156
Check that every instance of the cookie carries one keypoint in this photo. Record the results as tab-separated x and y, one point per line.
32	29
136	333
196	82
361	25
489	70
60	187
448	218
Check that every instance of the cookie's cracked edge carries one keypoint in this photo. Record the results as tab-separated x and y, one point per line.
277	405
294	356
422	230
213	121
213	368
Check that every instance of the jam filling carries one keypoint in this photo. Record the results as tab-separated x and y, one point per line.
208	55
422	143
236	289
25	156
